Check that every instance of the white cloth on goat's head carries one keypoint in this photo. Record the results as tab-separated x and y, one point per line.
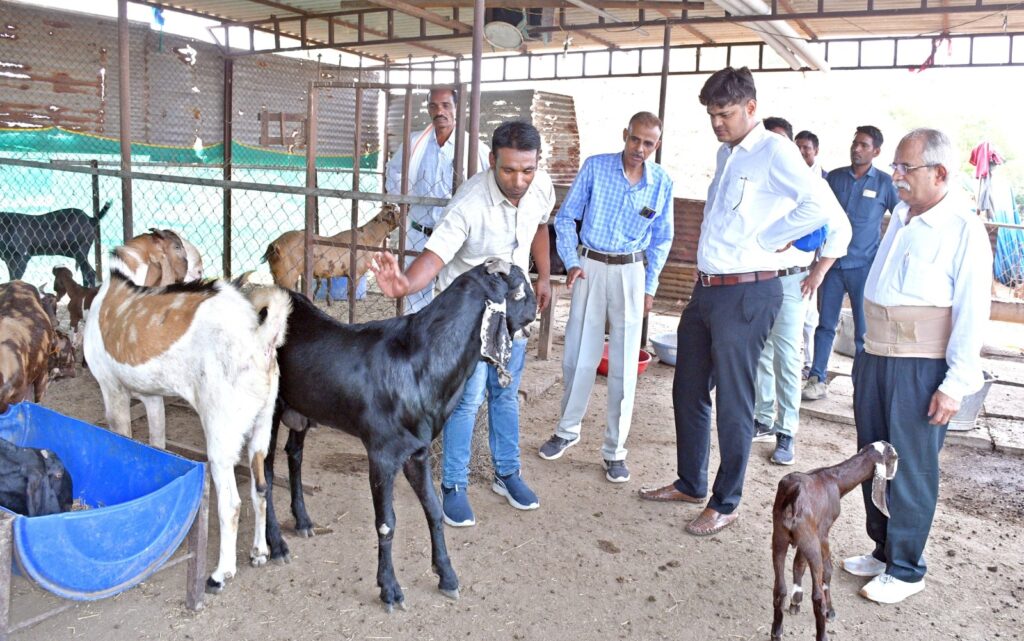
479	223
495	342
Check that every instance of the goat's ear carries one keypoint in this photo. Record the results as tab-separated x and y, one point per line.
41	499
154	274
878	487
495	342
892	459
498	266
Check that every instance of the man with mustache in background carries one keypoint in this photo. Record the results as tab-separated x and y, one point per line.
431	169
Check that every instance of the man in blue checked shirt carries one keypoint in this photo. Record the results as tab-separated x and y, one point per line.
625	203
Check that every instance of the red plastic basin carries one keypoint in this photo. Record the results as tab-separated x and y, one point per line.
643	361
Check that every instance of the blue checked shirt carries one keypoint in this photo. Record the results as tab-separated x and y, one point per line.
618	218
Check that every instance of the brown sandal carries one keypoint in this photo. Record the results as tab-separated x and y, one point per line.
710	522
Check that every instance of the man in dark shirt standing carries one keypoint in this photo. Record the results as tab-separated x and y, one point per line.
865	194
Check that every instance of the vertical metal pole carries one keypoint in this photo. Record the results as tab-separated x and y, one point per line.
474	104
311	201
95	214
666	50
463	157
125	107
354	236
195	568
6	556
228	99
403	228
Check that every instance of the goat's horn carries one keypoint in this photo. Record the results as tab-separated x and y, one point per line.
497	265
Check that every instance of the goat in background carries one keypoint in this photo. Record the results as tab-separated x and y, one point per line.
330	253
806	506
64	232
393	383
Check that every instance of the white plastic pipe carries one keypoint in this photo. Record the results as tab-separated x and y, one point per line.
770	37
786	32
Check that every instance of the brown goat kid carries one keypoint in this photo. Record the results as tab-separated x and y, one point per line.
79	297
806	506
330	258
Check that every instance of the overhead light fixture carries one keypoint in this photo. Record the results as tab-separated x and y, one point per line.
502	35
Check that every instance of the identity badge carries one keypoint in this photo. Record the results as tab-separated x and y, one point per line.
870	193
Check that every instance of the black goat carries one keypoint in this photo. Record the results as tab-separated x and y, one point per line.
393	383
64	232
33	482
806	506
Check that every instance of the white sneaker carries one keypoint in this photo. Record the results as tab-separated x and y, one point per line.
886	588
863	565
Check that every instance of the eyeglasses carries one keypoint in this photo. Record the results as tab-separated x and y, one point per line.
904	168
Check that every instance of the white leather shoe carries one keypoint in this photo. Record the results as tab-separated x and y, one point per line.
886	588
864	565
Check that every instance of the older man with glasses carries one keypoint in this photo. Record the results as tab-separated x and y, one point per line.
926	302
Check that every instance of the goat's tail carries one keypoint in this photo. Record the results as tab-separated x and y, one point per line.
273	306
272	251
103	211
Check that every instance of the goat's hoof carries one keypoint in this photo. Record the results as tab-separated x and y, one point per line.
830	615
281	559
451	594
794	608
214	587
305	532
390	607
257	559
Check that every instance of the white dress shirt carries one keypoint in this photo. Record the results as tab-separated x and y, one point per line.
480	223
761	198
941	258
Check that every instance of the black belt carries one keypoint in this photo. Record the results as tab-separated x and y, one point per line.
789	271
426	231
719	280
612	259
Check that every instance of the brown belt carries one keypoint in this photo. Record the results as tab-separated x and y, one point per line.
718	280
612	259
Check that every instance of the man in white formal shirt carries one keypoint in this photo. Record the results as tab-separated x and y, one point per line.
431	173
761	199
926	303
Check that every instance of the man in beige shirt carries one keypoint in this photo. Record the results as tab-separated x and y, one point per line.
502	213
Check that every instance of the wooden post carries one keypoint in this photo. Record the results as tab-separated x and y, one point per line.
195	573
6	557
124	91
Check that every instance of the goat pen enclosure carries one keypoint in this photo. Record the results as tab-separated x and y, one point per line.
217	144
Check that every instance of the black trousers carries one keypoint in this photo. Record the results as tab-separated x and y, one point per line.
890	403
721	334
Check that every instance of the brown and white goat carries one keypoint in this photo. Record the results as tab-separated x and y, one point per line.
213	347
806	506
330	253
26	344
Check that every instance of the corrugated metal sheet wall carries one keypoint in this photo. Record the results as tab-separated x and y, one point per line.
554	115
61	69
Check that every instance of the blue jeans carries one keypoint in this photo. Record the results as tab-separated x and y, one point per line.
502	415
830	301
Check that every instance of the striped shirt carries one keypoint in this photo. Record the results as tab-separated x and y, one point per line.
618	218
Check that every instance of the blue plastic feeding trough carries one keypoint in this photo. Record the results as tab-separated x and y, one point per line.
339	288
141	503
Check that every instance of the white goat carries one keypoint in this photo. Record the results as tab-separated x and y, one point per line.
213	347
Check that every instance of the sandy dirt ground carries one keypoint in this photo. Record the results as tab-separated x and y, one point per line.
593	562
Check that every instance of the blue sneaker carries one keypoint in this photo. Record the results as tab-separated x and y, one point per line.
514	488
455	505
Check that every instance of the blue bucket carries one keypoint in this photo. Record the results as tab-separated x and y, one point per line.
339	289
141	501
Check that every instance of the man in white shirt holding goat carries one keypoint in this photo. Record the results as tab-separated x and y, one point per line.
926	303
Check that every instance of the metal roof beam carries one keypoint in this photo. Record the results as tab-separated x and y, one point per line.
423	14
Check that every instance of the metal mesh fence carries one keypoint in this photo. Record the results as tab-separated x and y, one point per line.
1008	262
197	119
